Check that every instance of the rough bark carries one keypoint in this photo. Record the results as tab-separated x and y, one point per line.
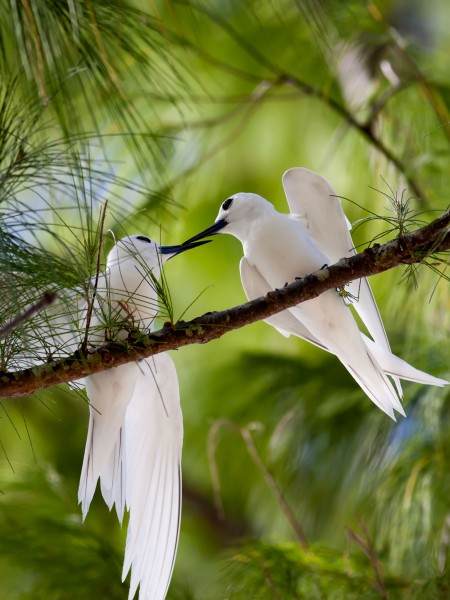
406	249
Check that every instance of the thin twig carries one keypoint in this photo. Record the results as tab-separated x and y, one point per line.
213	435
274	487
102	51
365	129
227	530
405	57
244	112
281	77
410	248
91	301
366	546
39	65
46	299
269	580
245	433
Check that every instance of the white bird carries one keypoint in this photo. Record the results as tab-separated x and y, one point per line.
281	247
135	433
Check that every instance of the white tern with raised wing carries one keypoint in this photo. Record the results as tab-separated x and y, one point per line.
135	430
281	247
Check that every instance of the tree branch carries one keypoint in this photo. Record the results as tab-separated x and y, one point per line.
46	299
410	248
364	129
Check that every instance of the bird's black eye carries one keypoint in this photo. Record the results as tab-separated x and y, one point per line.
143	238
226	205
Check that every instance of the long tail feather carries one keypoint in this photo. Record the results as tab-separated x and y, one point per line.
395	366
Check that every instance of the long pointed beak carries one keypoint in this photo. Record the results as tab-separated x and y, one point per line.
174	250
213	230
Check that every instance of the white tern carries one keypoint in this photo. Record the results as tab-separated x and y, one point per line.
135	433
281	247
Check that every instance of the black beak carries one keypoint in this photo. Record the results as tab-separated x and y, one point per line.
213	230
174	250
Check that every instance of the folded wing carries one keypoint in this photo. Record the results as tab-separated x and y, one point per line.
255	285
109	393
153	444
312	200
287	324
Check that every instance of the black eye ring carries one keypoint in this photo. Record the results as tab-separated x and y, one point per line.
226	205
143	238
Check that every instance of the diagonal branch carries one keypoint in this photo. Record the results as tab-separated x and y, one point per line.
410	248
46	299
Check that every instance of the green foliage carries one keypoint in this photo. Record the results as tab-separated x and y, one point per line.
296	486
261	570
60	557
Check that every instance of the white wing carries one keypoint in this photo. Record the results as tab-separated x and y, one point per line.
134	447
330	321
312	200
135	436
109	393
153	444
255	286
397	367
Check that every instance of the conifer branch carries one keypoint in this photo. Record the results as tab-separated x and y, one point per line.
46	299
410	248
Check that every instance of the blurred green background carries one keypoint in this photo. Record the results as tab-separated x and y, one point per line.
295	485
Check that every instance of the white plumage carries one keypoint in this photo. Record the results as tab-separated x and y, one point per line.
280	247
135	433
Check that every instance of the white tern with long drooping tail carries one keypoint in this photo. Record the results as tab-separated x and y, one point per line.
281	247
135	430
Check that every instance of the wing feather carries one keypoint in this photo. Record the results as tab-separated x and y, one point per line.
153	444
255	285
109	393
312	200
397	367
